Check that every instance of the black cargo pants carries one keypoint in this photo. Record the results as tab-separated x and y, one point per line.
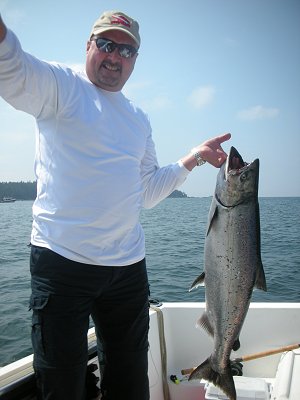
64	294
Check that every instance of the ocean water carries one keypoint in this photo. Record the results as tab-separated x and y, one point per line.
175	234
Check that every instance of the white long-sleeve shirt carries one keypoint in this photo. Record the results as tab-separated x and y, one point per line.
95	161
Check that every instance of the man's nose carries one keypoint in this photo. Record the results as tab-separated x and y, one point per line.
114	55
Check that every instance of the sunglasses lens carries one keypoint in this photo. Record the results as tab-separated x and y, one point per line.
108	46
105	45
126	51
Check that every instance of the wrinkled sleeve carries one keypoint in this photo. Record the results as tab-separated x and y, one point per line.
159	182
28	84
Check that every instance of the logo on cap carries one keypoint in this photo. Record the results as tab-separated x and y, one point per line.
119	19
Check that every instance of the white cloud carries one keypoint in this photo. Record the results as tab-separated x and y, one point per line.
202	96
258	112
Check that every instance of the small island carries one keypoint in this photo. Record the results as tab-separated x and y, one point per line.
177	194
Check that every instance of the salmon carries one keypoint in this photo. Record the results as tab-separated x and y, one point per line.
232	266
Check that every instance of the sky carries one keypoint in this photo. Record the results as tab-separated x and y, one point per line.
205	67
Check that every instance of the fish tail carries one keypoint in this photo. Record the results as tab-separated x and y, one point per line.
223	380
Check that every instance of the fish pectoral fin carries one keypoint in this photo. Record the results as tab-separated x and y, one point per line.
260	282
223	380
203	322
198	281
213	213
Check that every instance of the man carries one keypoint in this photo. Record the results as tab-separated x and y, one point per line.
96	168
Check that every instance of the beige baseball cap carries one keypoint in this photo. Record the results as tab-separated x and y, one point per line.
116	20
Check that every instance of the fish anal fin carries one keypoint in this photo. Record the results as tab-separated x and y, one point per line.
223	380
260	281
203	322
199	281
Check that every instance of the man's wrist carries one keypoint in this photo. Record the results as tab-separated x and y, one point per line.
199	160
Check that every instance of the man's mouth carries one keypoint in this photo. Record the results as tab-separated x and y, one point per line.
111	67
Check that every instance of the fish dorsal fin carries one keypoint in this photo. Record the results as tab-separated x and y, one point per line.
213	213
199	281
204	323
260	282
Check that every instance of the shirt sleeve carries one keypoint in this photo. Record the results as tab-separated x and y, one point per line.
159	182
27	83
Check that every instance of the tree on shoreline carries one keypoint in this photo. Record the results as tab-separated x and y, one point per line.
18	190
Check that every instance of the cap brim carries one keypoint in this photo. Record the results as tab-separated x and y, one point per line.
101	30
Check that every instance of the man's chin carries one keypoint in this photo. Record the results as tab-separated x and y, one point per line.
110	84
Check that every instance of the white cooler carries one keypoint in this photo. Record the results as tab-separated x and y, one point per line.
246	389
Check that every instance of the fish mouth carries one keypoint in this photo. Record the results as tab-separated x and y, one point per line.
234	163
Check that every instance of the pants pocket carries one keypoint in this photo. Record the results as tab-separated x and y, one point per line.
37	304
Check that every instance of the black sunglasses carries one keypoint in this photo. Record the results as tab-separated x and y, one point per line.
108	46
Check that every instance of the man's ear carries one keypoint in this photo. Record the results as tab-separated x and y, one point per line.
88	45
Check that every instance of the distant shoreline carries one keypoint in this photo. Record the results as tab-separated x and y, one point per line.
27	191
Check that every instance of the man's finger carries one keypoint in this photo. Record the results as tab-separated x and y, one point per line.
224	137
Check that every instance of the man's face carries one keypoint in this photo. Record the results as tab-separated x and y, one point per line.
109	71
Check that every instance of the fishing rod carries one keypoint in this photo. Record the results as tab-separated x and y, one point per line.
253	356
267	353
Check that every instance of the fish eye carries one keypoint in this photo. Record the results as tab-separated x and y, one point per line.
244	176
